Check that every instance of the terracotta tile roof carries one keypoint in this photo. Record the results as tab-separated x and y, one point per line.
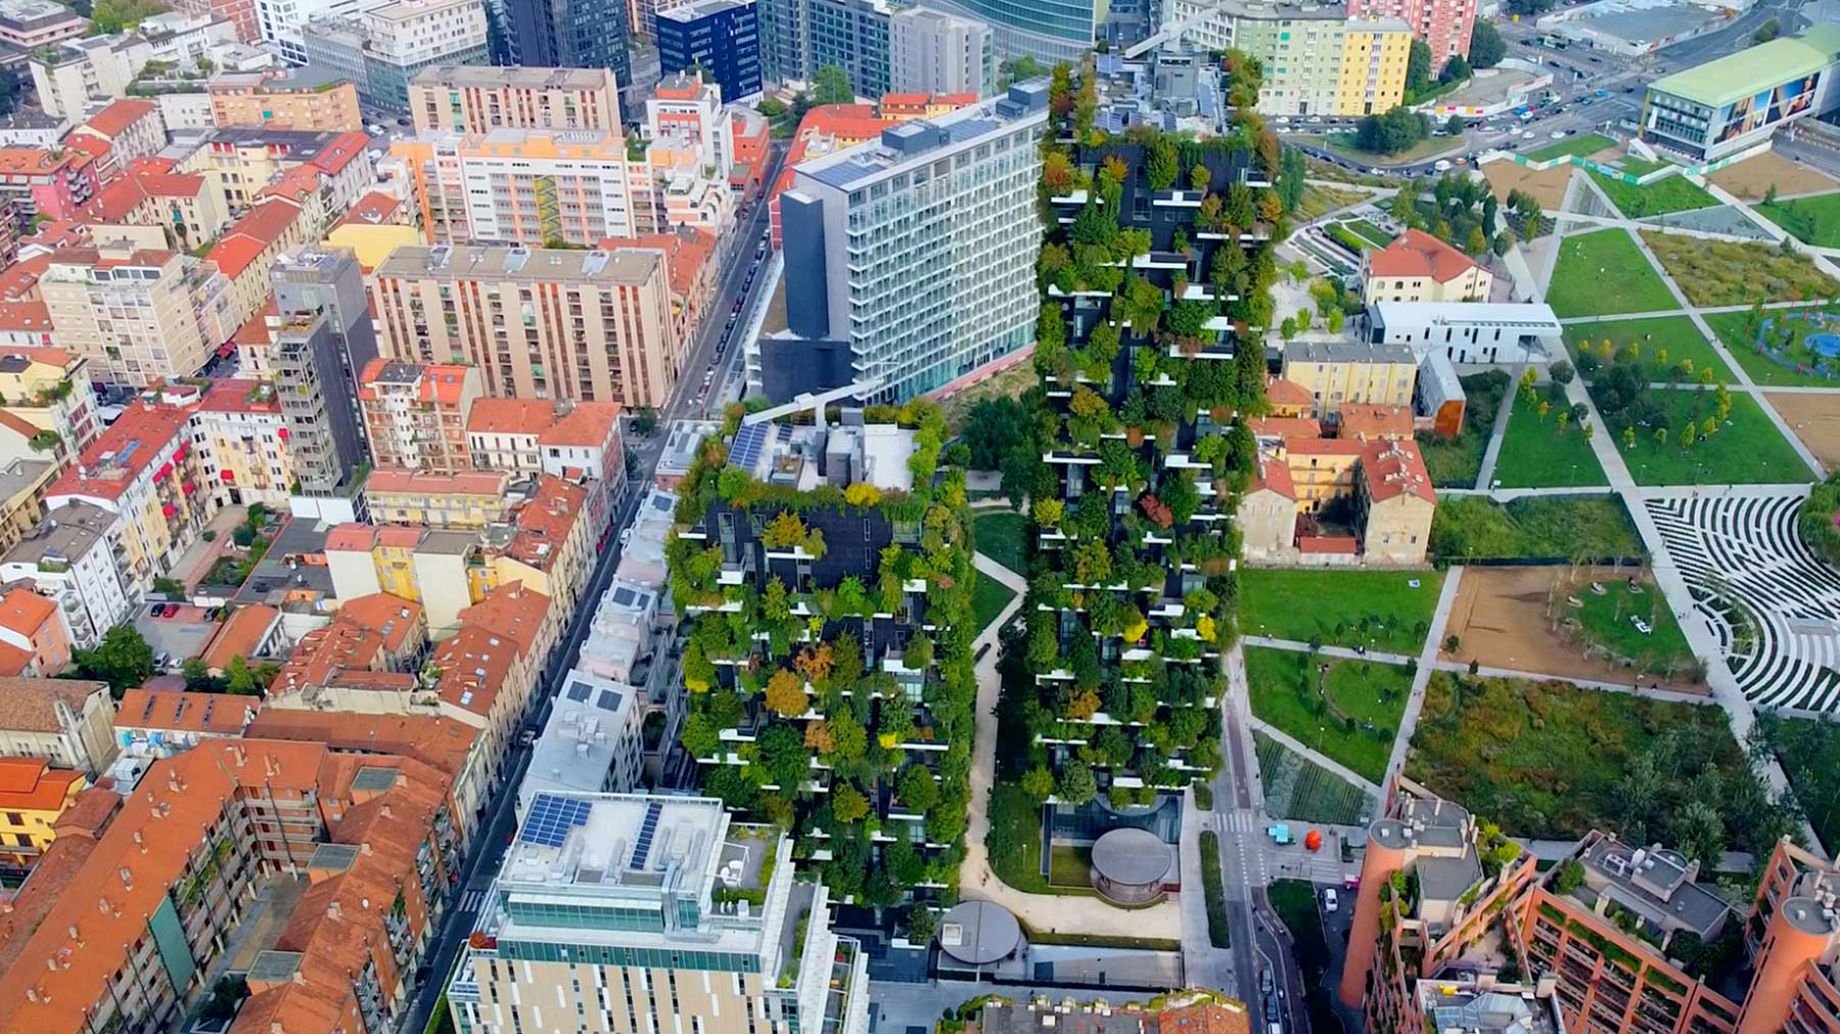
324	652
123	451
686	251
153	163
474	664
1273	474
49	881
1366	422
240	635
1345	544
31	784
295	184
169	184
1282	392
93	147
115	202
178	710
397	619
253	234
444	383
19	281
374	208
511	416
31	161
32	317
114	119
341	151
1417	253
24	611
510	610
14	660
1394	469
90	813
17	424
440	742
1324	447
239	395
350	538
1286	427
29	705
57	357
588	424
1205	1018
399	536
544	523
477	482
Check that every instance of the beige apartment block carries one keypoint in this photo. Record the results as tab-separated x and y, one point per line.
479	99
538	323
139	316
300	98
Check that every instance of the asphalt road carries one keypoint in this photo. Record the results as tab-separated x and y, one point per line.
492	832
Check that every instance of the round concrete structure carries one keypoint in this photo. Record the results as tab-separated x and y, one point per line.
1129	864
978	933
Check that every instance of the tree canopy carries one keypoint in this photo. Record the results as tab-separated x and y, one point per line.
832	86
1486	47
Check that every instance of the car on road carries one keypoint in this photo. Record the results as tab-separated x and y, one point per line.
1265	981
1331	902
1557	134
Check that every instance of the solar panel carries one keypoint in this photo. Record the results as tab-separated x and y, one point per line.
608	700
551	818
577	691
748	442
642	848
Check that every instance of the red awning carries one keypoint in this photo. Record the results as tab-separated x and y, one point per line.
227	475
184	447
165	469
282	433
188	488
169	509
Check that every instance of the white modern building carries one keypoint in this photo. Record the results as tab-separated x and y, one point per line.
71	557
1469	332
933	51
592	743
612	911
282	22
911	259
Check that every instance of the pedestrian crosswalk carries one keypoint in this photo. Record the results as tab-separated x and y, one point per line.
1240	822
472	899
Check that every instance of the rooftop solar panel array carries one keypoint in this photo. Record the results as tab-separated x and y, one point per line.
642	848
748	442
551	818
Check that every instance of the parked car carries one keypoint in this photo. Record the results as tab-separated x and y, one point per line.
1330	901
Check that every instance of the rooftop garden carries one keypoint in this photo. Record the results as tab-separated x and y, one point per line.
829	660
1157	265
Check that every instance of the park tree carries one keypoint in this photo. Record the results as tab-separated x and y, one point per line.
992	427
123	659
1038	783
832	86
1419	70
1076	784
1486	47
1454	126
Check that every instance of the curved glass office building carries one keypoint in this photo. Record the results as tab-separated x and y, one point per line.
1046	30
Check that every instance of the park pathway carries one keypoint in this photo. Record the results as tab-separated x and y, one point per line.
1427	659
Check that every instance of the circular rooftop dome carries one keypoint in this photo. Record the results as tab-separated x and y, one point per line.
978	933
1129	864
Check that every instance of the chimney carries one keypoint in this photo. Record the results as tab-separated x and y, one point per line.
384	811
127	877
332	909
140	841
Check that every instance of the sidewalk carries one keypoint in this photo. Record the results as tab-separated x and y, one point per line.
1427	660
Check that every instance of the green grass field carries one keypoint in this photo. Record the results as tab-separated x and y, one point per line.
1676	336
1812	220
1369	697
1583	145
1555	527
1004	537
1295	903
1301	790
1606	621
1730	327
1014	843
1604	273
1343	143
988	600
1295	604
1665	195
1364	228
1746	450
1535	453
1453	462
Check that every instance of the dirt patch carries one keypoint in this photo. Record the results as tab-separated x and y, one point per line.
1548	188
1751	179
1815	418
1500	620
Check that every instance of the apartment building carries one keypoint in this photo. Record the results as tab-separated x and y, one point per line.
34	637
131	127
1335	372
241	14
67	722
33	795
593	742
326	341
572	34
309	99
932	51
487	670
538	323
46	182
283	23
68	76
249	248
49	389
944	206
1418	267
476	99
469	500
407	36
143	470
246	161
579	442
124	937
241	434
719	37
695	916
1318	59
74	556
1375	52
798	37
415	414
28	24
534	186
1444	25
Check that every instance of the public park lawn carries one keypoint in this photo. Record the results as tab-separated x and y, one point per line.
1356	727
1604	273
1366	229
1606	621
1004	537
1287	603
1319	200
1554	527
1014	843
1547	759
1674	334
1731	329
988	600
1812	220
1535	453
1746	450
1667	194
1584	145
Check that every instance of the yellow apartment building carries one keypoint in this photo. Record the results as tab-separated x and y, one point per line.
1339	372
1373	71
32	796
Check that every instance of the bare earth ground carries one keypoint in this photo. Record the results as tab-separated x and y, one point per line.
1548	188
1011	382
1750	179
1816	420
1500	621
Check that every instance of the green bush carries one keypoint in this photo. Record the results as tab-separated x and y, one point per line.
1561	528
1817	520
1219	932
